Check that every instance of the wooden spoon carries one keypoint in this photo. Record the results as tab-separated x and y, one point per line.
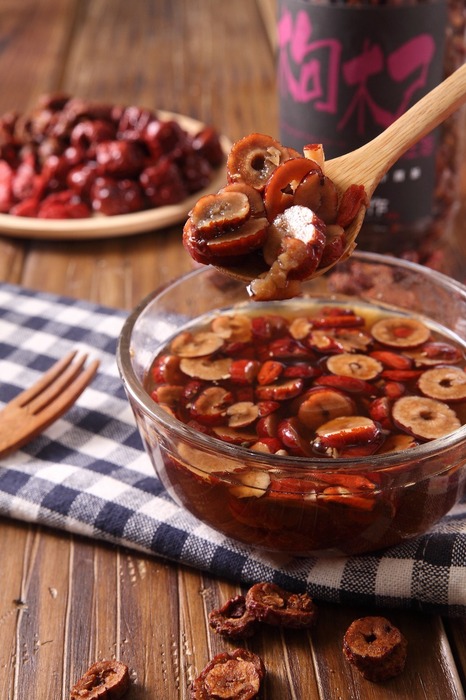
368	165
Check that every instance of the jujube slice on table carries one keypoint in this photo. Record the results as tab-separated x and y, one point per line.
376	648
235	675
273	605
104	680
233	619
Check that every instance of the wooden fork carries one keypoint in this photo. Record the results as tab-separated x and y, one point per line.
34	409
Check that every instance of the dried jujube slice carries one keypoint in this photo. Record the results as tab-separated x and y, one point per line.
210	406
235	675
376	648
273	605
233	619
104	680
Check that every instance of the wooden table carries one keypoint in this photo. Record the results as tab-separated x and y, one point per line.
66	601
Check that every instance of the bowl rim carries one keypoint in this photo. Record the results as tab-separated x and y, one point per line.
135	391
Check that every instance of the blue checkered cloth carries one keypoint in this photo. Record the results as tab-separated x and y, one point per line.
89	474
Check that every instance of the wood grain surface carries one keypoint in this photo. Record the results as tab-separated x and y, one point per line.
66	601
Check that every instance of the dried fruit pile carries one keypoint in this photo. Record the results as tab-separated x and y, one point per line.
70	158
326	383
279	213
373	645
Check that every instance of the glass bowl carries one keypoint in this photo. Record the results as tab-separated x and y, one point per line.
284	503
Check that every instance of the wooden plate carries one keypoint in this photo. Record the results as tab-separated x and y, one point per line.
123	224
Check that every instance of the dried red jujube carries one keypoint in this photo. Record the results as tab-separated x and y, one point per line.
376	648
104	680
235	675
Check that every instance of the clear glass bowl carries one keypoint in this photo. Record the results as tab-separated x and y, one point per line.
278	503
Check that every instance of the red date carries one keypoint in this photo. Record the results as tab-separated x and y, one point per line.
117	160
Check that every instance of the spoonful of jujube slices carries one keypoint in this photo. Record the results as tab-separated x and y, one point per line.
279	220
285	217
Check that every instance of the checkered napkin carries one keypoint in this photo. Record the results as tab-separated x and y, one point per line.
88	474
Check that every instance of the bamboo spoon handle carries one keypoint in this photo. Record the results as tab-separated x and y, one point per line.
367	165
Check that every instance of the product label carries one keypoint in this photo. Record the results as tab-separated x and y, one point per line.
346	73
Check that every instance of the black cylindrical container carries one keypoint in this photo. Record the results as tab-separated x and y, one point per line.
349	68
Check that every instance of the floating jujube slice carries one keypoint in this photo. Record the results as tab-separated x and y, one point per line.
242	414
322	404
199	344
443	383
435	353
345	431
424	418
211	405
400	332
234	328
355	365
398	442
205	368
